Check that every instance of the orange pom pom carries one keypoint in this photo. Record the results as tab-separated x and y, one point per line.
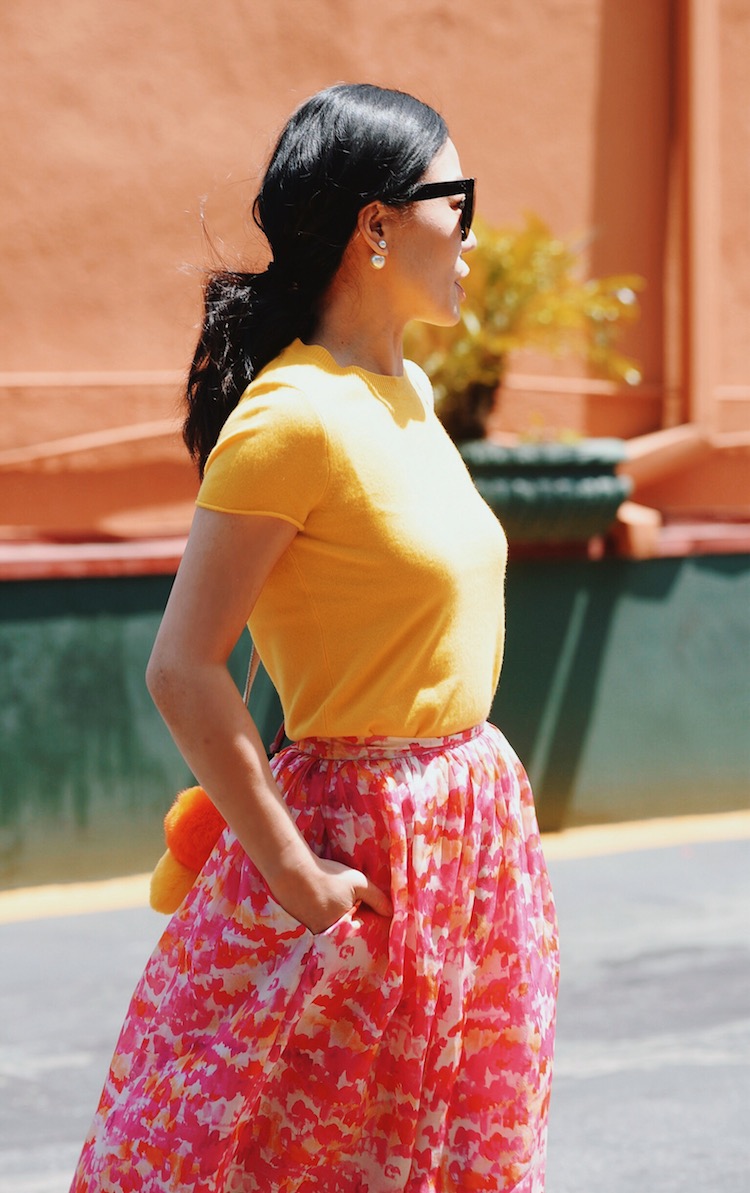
170	883
192	827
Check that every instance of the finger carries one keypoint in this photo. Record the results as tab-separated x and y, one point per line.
377	900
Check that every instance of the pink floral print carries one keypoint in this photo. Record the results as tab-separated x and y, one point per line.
411	1054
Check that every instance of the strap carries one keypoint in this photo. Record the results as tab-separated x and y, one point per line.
252	671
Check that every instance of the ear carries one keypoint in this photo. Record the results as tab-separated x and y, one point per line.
373	224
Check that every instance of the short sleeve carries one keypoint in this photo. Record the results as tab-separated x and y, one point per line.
271	457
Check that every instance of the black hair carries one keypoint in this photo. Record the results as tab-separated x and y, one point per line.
342	149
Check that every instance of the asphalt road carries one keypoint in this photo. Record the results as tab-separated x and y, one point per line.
652	1084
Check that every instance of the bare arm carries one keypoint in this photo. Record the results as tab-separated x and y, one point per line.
226	563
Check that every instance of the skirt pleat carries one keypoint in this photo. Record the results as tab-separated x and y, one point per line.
412	1054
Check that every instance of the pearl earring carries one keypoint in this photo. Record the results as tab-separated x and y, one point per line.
377	260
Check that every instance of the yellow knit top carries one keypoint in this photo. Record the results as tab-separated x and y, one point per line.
385	616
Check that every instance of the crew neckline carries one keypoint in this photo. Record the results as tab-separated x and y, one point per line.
317	354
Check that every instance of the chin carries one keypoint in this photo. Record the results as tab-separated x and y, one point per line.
440	314
447	318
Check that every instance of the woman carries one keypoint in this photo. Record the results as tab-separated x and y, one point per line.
358	993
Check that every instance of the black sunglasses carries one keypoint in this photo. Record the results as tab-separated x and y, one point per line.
441	190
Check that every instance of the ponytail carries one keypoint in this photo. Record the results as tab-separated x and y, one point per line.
248	319
342	149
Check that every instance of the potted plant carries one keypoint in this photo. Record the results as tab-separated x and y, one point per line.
525	290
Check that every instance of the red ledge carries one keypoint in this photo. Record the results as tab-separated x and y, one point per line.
53	561
673	540
161	556
704	538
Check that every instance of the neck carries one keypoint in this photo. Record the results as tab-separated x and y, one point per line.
358	328
385	358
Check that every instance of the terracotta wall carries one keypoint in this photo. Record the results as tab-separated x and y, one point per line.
121	121
734	147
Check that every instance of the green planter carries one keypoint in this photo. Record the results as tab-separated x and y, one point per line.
550	492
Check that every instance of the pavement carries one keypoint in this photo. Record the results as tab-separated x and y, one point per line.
652	1084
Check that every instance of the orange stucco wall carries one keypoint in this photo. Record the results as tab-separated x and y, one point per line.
120	121
735	193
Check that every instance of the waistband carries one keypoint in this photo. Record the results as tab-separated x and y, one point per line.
347	748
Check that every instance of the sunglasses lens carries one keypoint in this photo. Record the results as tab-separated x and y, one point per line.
467	215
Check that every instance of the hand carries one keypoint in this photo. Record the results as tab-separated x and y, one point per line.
321	897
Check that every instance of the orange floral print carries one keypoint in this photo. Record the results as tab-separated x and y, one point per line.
411	1054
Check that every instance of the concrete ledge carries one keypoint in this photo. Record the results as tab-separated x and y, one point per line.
117	894
50	561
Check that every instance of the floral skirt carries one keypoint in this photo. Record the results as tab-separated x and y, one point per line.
381	1055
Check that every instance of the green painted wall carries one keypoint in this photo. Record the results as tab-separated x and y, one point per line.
626	686
87	767
626	690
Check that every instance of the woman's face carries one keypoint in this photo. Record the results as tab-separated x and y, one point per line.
425	250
